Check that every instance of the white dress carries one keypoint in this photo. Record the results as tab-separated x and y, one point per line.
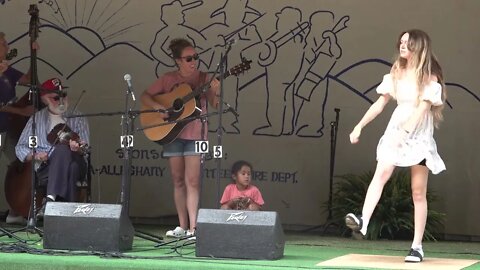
419	144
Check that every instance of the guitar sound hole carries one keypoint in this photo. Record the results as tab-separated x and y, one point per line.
177	105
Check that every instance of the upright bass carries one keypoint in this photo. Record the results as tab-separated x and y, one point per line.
18	180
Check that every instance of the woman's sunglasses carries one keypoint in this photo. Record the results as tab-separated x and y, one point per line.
190	57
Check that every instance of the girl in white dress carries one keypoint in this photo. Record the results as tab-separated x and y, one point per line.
416	82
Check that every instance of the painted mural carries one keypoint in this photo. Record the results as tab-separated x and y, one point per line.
300	57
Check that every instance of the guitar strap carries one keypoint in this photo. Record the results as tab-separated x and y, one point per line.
204	77
202	81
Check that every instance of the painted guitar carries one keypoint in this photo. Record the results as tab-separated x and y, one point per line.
180	104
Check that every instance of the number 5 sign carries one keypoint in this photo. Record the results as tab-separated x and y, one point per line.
217	151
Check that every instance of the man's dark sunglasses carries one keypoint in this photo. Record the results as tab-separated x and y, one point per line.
57	98
190	57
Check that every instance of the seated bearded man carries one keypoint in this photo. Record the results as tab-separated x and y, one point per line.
60	162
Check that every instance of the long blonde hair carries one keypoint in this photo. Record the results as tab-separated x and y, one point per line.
424	63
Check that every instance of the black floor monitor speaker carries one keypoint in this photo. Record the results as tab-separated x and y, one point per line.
86	226
239	234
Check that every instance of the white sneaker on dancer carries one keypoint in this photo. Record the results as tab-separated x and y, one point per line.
415	255
355	223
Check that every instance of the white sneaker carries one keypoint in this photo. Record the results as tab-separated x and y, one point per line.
19	220
355	223
415	255
191	235
177	233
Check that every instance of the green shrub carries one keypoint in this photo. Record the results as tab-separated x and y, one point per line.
393	217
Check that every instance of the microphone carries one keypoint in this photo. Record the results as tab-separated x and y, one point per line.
337	117
230	42
230	109
128	78
61	94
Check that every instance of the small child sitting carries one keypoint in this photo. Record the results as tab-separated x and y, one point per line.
241	195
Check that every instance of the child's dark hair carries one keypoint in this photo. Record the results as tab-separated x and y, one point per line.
237	166
177	45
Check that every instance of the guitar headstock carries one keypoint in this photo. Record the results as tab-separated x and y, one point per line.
12	54
240	68
34	22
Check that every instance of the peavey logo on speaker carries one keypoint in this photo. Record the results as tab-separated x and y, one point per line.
240	216
84	209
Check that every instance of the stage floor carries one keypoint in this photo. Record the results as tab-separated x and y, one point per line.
302	251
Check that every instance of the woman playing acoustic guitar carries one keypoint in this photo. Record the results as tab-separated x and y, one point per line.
183	161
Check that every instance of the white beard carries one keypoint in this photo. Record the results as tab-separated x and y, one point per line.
57	109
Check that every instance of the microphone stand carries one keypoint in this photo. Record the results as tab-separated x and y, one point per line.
32	219
220	111
218	161
333	145
203	135
127	123
127	126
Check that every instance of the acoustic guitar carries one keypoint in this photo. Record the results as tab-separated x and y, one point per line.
181	104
